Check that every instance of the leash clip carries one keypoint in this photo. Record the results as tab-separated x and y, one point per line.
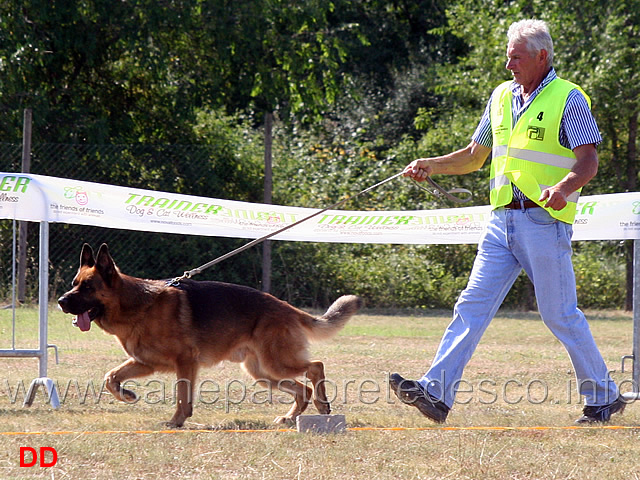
175	282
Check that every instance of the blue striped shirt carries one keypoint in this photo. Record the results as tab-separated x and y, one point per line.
577	126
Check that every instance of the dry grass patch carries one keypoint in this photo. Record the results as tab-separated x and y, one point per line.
517	351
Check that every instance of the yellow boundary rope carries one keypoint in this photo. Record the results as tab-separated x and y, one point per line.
351	429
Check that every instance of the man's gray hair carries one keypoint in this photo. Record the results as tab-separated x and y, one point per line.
535	33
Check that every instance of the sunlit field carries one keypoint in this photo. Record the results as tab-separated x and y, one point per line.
514	417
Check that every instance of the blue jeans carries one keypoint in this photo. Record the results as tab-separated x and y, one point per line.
534	241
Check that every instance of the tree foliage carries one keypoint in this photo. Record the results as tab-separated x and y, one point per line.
360	88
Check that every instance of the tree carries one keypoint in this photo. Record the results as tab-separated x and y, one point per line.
602	51
270	57
105	72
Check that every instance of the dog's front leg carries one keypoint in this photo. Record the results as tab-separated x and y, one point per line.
129	369
186	377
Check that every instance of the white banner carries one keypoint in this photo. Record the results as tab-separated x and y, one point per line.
39	198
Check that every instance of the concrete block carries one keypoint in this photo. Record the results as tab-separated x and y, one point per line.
321	423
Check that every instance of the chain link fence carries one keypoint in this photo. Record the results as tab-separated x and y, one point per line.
303	273
189	169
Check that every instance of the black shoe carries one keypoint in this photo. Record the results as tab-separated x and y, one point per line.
601	413
412	393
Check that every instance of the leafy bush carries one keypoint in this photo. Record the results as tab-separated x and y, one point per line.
600	274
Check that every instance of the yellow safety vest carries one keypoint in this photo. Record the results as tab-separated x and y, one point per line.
529	154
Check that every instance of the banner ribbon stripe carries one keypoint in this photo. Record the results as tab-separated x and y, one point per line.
40	198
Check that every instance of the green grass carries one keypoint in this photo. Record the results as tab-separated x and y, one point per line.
517	351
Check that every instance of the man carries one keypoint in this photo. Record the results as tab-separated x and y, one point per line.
542	137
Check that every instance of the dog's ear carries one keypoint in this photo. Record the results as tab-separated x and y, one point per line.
86	256
105	265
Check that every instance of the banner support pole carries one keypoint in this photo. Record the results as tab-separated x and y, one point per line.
635	356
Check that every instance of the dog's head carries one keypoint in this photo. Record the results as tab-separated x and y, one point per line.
88	298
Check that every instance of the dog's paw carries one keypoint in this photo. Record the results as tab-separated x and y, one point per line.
324	408
173	425
284	420
128	396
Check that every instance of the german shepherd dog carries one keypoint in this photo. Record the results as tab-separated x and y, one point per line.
178	327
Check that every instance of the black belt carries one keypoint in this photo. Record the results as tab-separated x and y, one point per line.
521	205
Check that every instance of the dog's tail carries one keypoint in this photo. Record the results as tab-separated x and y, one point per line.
334	318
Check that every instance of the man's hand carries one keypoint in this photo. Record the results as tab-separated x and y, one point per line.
554	197
585	168
419	170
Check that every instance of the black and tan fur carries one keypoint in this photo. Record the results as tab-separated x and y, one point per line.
166	328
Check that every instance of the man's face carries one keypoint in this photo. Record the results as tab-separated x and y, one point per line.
527	68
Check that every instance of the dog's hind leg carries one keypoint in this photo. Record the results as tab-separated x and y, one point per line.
186	376
315	373
129	369
301	394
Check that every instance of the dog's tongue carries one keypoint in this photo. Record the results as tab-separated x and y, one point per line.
83	322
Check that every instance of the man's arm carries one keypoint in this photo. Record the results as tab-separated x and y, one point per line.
584	170
460	162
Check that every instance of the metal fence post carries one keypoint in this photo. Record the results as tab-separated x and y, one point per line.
43	380
635	356
22	225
